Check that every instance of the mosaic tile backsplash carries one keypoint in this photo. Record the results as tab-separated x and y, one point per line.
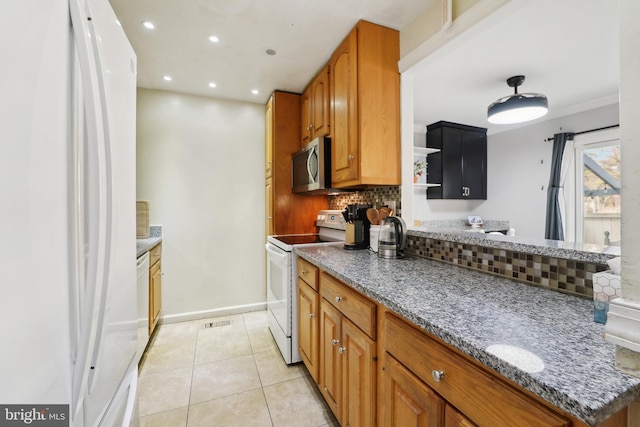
375	197
567	276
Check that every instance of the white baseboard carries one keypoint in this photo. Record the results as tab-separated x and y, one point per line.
216	312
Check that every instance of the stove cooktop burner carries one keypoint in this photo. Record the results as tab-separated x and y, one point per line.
300	239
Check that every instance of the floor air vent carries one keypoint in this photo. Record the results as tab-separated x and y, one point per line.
217	324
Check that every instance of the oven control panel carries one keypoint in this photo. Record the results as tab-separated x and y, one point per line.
331	219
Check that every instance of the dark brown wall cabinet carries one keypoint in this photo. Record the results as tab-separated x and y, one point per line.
460	167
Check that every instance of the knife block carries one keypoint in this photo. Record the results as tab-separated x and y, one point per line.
355	237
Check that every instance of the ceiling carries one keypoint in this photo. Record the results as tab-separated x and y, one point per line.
303	34
567	51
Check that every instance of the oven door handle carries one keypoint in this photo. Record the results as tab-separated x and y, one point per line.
282	256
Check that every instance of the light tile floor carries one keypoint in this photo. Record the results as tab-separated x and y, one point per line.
231	375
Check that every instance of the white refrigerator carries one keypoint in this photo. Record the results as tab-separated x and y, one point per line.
67	214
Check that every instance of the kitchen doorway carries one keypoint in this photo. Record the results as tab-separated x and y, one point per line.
597	187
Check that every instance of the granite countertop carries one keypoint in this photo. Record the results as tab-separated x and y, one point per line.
453	225
572	367
584	252
145	245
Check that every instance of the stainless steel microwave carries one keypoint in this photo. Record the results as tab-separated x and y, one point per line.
311	168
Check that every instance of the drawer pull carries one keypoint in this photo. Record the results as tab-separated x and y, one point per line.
303	272
312	315
437	375
341	350
338	299
335	341
158	254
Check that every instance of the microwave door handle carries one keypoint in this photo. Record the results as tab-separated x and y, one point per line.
311	152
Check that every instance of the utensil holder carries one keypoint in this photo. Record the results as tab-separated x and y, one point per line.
374	231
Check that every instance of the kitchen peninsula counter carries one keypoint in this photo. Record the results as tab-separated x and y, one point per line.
582	252
471	311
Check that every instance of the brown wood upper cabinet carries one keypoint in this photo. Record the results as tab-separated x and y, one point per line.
268	126
315	108
365	108
286	213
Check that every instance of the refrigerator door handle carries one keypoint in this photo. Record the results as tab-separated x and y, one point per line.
105	223
97	214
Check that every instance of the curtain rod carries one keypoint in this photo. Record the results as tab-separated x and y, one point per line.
587	131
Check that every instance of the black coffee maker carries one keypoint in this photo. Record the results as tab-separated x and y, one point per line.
357	227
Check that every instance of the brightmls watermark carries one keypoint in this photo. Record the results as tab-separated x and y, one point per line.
34	415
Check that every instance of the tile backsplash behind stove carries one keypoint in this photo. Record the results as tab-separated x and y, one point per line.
374	196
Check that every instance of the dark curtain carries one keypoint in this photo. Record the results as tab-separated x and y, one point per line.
553	228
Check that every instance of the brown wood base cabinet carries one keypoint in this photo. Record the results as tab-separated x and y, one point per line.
423	381
347	353
308	315
155	287
429	367
407	400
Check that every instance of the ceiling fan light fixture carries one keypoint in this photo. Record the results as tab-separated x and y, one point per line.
519	107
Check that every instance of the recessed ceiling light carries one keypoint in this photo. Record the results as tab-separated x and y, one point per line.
167	78
148	24
213	39
212	84
255	91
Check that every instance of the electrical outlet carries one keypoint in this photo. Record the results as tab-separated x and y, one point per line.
391	204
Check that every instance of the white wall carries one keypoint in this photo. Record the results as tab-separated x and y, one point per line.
518	165
630	148
201	166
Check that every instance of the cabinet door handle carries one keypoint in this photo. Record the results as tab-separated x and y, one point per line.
335	341
312	315
303	272
342	350
338	299
437	375
350	157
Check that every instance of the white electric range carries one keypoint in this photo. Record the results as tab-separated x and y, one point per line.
282	285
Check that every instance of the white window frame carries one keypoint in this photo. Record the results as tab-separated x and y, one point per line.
602	138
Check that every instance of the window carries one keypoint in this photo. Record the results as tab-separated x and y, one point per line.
597	187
